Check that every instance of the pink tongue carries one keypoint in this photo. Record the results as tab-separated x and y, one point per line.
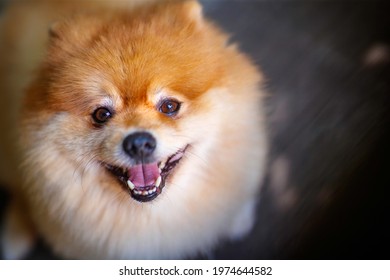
143	175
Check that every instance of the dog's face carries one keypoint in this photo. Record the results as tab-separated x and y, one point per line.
130	95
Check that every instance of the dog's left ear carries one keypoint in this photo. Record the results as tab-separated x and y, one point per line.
193	10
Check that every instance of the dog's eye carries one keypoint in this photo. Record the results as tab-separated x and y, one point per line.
101	115
169	107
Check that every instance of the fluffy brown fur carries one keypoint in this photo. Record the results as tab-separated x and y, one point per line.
129	60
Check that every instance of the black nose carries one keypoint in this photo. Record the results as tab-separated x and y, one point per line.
139	145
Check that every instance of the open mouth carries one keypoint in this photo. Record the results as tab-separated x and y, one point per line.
145	181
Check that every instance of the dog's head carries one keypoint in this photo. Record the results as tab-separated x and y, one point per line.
131	92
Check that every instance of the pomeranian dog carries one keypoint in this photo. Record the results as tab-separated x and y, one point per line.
133	130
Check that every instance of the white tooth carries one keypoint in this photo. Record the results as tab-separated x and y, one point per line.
162	165
130	185
150	191
136	192
154	189
158	181
144	193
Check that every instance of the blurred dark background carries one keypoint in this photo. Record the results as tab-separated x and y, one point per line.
326	195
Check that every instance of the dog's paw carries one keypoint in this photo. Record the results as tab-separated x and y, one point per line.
17	236
243	221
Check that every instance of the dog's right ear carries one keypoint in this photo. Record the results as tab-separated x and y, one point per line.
66	36
54	30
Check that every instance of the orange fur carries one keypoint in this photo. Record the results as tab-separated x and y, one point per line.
129	60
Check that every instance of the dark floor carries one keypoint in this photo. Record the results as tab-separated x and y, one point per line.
328	70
